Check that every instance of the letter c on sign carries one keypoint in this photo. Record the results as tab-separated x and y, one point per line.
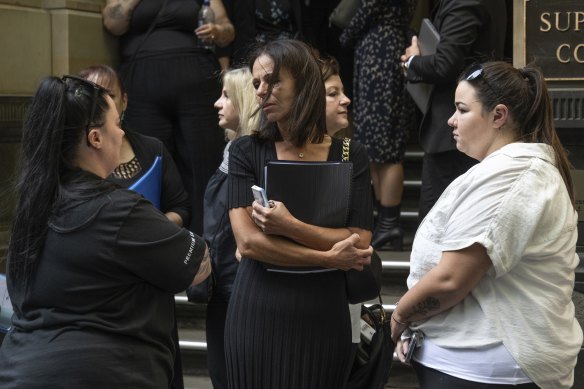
577	57
559	54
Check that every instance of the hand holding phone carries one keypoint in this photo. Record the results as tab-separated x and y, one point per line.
259	195
412	344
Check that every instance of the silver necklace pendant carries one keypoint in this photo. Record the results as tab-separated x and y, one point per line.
301	155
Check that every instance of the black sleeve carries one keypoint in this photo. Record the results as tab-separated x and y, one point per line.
242	175
174	197
157	250
361	213
460	26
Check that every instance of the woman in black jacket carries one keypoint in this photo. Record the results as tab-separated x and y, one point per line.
92	268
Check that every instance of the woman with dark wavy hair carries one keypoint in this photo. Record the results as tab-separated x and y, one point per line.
337	102
289	329
92	268
492	264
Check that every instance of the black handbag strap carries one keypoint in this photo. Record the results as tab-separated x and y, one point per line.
148	32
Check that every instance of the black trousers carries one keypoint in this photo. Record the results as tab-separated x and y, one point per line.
170	97
438	171
215	330
429	378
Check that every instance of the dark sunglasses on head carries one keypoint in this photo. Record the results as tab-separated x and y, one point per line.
96	89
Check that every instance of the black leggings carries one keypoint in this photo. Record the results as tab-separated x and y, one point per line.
429	378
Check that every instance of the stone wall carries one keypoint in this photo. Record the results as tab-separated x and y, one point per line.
40	38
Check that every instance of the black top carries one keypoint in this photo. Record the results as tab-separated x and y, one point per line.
99	309
174	30
173	198
248	156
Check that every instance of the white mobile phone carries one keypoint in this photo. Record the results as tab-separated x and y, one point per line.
259	195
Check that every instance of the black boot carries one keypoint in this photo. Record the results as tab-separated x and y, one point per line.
376	210
388	234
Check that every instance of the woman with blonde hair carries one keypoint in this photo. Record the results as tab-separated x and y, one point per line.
236	107
239	92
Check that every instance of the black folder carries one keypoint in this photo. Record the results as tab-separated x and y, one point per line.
428	40
317	193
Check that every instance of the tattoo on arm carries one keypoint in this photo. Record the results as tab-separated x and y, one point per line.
205	263
425	307
116	12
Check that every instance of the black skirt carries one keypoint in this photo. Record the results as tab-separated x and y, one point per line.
287	331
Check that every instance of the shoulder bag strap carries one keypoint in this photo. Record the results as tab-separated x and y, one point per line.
346	145
345	158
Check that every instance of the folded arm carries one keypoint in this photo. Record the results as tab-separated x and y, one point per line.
279	221
252	242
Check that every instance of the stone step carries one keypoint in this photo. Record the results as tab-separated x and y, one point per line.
192	328
195	374
400	377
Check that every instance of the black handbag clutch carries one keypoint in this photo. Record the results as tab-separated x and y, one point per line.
364	285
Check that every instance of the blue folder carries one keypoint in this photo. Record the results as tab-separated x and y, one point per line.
150	184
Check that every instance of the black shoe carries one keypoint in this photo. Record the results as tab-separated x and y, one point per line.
388	239
388	234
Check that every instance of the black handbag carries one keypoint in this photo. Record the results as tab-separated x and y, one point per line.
344	12
375	355
362	285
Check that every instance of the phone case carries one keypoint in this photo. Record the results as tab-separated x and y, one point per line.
259	195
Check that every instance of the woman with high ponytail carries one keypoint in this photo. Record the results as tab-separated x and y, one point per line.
492	265
85	254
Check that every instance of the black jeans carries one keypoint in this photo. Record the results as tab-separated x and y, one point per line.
429	378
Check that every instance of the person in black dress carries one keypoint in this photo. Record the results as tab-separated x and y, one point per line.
383	110
291	330
172	82
92	268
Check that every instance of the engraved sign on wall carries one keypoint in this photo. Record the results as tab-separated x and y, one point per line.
551	33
